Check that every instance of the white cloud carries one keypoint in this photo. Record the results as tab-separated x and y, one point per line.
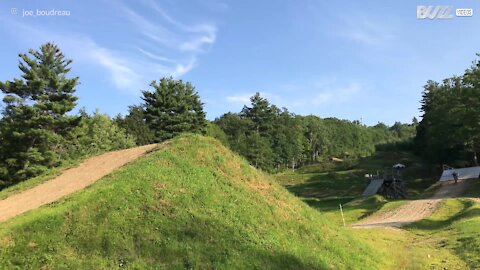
197	43
122	76
154	56
332	93
365	31
154	31
189	38
242	98
129	69
182	69
304	95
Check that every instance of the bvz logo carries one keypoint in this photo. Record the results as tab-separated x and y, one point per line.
434	12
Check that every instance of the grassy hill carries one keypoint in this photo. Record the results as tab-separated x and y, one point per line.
192	204
325	185
448	239
456	225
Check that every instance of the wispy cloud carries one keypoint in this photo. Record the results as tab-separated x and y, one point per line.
122	75
242	98
364	30
197	43
182	69
189	38
322	92
171	48
154	56
331	93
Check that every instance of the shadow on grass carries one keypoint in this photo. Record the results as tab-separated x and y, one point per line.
466	212
330	204
338	184
367	206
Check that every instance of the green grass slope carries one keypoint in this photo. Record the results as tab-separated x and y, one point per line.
324	185
193	204
455	227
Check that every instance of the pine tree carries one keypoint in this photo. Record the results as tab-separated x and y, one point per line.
135	125
34	115
172	108
261	113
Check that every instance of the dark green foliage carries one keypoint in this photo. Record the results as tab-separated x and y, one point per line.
214	131
96	133
172	108
274	139
193	204
450	129
134	123
34	115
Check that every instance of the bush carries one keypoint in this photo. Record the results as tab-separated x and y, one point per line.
96	134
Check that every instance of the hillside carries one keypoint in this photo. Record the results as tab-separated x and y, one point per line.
325	185
191	204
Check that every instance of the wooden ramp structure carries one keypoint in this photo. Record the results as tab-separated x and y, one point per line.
463	173
373	187
389	184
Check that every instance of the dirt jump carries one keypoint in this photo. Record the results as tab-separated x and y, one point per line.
70	181
415	210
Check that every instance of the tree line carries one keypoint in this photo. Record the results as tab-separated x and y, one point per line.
274	139
38	130
449	132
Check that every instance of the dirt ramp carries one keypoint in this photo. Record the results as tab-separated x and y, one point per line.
415	210
70	181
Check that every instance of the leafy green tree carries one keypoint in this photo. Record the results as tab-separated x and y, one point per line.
214	131
35	114
97	133
288	140
236	129
450	131
172	108
414	121
273	139
259	151
134	123
261	113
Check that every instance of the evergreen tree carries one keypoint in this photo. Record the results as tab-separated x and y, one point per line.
172	108
272	139
236	129
134	124
214	131
261	113
34	115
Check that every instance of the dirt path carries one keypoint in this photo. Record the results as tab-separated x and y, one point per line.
414	210
69	181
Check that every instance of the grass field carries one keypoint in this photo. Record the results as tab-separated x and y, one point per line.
447	240
344	183
195	205
191	205
456	224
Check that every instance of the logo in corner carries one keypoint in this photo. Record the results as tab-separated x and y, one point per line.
434	12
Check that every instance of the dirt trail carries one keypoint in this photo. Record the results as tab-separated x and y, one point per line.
71	180
414	210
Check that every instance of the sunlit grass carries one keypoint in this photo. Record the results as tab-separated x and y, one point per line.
191	205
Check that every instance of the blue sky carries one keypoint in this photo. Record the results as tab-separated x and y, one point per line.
358	60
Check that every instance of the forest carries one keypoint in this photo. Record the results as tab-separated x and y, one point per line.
449	132
38	130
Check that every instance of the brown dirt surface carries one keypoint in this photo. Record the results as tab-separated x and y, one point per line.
415	210
70	181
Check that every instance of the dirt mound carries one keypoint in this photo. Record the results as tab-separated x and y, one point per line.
69	181
415	210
